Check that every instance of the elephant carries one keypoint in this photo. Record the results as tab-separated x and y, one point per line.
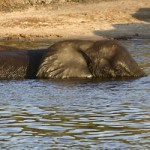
70	59
88	59
19	64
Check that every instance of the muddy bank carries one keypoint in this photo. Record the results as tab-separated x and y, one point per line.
78	19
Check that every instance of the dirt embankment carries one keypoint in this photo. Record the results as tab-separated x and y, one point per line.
74	19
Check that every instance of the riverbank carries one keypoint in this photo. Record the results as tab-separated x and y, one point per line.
106	19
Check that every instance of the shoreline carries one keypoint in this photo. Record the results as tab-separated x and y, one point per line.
124	19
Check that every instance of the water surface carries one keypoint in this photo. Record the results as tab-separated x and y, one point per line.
77	114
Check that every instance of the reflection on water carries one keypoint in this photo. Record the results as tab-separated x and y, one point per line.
78	114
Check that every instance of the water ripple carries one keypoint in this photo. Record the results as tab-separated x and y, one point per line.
77	114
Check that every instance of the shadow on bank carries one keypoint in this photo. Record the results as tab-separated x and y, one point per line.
130	30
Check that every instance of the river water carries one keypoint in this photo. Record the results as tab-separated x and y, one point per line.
77	114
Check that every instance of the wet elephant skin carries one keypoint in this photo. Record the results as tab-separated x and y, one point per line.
19	64
69	59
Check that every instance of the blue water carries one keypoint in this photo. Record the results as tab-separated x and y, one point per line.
78	114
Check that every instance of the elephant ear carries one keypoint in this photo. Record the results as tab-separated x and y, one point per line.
64	62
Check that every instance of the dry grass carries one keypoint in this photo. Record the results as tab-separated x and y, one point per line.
11	5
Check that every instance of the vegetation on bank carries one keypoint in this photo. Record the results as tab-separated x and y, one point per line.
11	5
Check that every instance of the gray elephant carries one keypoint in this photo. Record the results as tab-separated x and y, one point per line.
88	59
70	59
19	64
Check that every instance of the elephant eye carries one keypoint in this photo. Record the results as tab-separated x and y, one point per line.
121	69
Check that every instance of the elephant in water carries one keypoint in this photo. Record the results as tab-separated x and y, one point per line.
88	59
19	64
70	59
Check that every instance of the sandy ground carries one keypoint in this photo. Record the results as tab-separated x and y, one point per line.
115	19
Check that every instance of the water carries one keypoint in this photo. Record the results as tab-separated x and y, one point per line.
78	114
